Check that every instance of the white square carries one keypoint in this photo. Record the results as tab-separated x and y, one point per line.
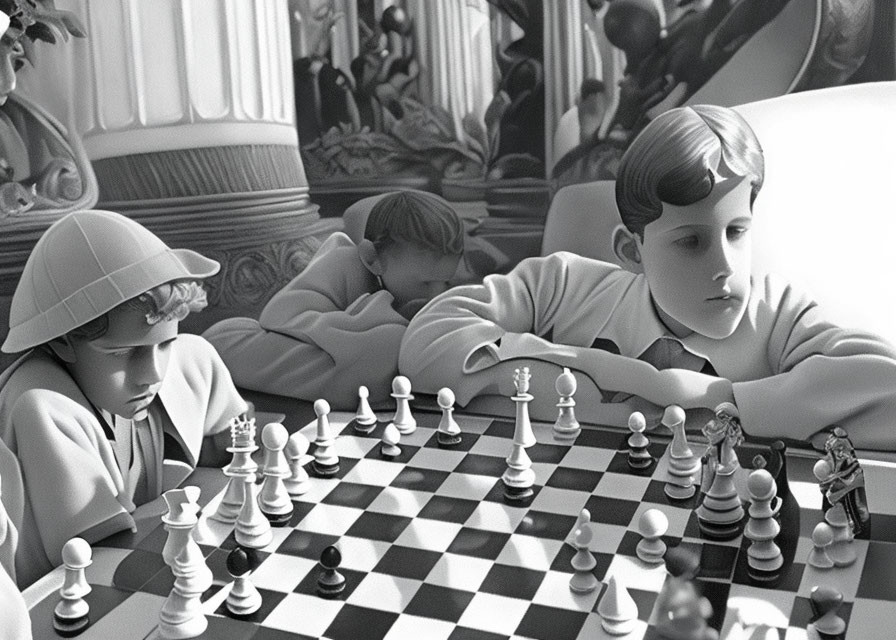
361	554
419	437
677	517
588	458
384	592
529	552
399	502
329	519
318	489
378	473
592	630
432	535
473	424
466	486
846	578
635	574
316	614
871	620
282	572
554	591
561	501
606	538
496	516
464	573
494	613
438	459
622	487
768	606
807	494
543	472
409	627
351	446
492	446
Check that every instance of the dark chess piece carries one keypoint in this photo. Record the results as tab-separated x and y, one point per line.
825	602
330	583
243	598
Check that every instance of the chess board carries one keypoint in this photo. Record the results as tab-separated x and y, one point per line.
432	550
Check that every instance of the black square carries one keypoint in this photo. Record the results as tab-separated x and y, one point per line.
611	510
299	511
427	480
512	582
546	525
877	575
220	628
138	568
269	633
345	465
645	601
354	622
500	428
306	544
574	479
550	623
619	463
656	493
479	465
628	546
378	526
602	439
563	561
547	453
788	579
350	494
479	543
717	594
101	600
441	603
497	494
466	633
407	562
716	561
883	527
269	601
154	541
466	442
308	585
448	509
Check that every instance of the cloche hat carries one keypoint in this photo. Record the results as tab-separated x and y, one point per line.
86	264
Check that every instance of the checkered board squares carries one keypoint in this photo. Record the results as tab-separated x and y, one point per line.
431	549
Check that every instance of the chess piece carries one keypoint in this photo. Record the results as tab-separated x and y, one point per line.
652	525
841	550
298	481
403	419
252	528
326	462
566	426
242	435
720	514
681	611
638	455
273	498
389	448
519	476
243	598
617	609
825	602
181	614
822	537
764	558
682	462
448	434
72	614
365	418
845	483
330	583
583	562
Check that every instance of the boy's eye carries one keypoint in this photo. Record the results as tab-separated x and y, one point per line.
735	233
688	242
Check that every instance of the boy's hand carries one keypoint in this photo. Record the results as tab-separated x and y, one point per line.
690	389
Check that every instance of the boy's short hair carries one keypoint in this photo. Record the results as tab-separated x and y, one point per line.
418	218
676	156
169	301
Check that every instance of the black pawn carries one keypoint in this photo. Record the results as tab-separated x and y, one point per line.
330	583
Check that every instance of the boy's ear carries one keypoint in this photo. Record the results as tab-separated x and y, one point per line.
369	256
627	249
63	349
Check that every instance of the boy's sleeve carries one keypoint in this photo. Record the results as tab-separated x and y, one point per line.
824	375
461	336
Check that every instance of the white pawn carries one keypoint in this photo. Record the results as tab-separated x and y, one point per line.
297	447
822	537
652	525
403	420
583	562
683	464
391	437
326	462
841	550
365	418
274	498
617	609
252	528
71	615
243	598
448	434
567	426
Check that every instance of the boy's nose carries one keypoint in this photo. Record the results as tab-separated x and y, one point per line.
150	367
721	265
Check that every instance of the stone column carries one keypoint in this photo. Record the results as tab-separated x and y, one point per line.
185	108
564	64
